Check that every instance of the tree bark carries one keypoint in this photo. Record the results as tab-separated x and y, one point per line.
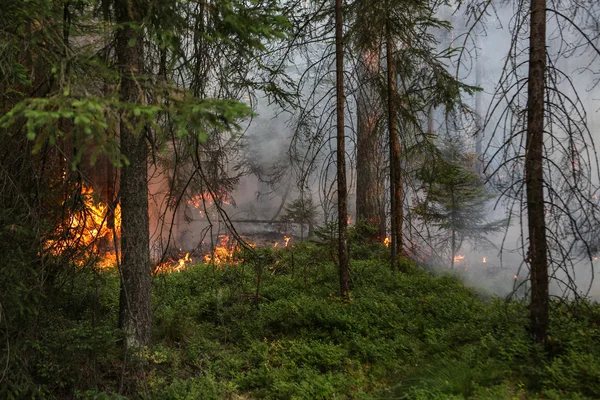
135	311
396	217
370	194
344	269
534	176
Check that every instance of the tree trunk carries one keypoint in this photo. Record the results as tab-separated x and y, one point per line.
453	251
396	217
344	270
135	311
534	176
369	188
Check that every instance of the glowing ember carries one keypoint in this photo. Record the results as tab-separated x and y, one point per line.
386	241
287	240
458	258
484	260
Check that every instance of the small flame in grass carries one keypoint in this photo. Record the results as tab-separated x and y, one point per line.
287	240
484	260
223	253
386	241
276	244
458	258
172	265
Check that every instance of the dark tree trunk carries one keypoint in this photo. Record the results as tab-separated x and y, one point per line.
135	312
534	176
341	156
396	217
369	187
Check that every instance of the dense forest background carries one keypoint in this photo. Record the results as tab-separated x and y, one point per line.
299	199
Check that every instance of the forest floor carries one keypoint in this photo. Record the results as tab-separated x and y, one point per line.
411	334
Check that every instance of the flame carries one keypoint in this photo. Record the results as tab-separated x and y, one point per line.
84	229
287	240
171	265
386	241
222	253
458	258
349	219
515	277
276	244
484	260
207	200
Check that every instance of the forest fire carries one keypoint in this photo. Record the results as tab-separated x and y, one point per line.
386	241
222	253
206	200
90	228
458	258
287	240
171	266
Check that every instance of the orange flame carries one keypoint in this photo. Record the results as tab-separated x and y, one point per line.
276	244
287	240
223	253
171	265
206	199
458	258
386	241
86	227
484	260
349	219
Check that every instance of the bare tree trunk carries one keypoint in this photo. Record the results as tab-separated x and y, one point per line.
341	156
370	192
534	177
135	311
396	244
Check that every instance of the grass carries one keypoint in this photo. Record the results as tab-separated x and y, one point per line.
409	335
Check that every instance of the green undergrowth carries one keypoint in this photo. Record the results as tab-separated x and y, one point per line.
407	335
